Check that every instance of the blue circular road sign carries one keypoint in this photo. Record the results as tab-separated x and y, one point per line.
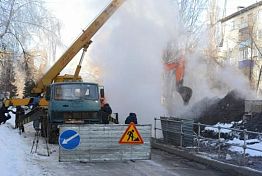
69	139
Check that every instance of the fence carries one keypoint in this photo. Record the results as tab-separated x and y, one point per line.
197	137
177	131
100	142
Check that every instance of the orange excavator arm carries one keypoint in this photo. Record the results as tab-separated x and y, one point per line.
178	66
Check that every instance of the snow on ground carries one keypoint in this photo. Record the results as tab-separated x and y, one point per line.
222	125
15	158
251	143
237	144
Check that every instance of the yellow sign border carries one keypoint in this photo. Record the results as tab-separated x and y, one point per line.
121	141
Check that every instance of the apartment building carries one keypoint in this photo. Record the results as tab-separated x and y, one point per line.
241	42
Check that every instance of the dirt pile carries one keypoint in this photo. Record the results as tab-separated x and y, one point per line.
225	110
229	109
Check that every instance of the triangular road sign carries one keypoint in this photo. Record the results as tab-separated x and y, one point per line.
131	136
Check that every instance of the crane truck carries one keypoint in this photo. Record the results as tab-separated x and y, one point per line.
68	99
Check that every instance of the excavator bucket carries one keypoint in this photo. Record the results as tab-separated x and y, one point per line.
185	93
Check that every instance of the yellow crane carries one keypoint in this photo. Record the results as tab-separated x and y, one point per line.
68	101
82	42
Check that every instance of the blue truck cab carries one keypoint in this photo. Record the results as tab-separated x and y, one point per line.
72	102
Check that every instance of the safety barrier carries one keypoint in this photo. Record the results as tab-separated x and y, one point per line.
100	142
171	131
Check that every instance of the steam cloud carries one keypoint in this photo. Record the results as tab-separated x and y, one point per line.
129	50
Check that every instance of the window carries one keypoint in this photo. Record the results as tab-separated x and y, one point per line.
259	34
259	16
245	54
255	52
243	22
76	91
233	25
250	19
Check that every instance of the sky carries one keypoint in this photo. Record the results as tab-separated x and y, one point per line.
233	4
75	15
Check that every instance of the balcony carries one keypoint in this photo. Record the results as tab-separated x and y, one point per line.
245	64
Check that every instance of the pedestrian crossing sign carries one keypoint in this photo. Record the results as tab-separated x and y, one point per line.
131	136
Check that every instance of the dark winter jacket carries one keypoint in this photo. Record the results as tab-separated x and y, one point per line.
131	118
107	109
3	117
3	110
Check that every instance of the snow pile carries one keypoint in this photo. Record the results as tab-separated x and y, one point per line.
236	144
252	143
14	153
222	126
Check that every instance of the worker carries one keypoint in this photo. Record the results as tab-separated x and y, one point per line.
106	112
18	118
3	116
131	118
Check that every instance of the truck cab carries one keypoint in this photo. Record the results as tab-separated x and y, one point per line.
72	102
76	102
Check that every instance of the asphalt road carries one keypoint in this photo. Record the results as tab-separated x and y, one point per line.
162	163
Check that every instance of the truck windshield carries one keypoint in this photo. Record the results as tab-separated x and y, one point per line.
76	92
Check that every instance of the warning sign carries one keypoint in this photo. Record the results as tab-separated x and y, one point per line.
131	136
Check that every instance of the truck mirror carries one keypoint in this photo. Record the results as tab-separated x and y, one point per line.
48	93
102	93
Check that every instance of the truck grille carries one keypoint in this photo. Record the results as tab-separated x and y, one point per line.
81	117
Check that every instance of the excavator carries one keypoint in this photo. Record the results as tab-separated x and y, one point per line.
178	67
67	98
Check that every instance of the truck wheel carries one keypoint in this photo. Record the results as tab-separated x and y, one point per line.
52	134
44	126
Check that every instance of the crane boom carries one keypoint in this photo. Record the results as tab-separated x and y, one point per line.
79	43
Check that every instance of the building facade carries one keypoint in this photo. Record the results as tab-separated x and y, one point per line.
241	42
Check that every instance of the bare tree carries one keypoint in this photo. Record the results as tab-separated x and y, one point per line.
24	21
191	27
26	26
190	15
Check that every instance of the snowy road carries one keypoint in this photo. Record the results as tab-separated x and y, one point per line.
14	153
15	159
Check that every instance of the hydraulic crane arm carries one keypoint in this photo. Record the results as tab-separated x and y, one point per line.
178	67
78	68
80	43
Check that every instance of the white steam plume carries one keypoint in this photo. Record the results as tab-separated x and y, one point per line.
130	52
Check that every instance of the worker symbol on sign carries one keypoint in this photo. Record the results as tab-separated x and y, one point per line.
131	136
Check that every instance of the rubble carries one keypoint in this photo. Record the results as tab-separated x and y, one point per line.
228	109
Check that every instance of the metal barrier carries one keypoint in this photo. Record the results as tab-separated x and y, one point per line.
100	142
197	135
177	131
